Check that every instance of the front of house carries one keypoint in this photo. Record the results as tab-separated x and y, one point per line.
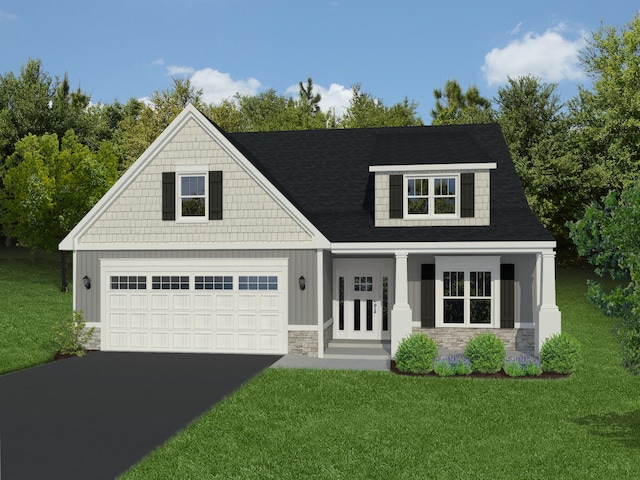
279	242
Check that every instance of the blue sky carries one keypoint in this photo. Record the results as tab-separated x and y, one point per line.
121	49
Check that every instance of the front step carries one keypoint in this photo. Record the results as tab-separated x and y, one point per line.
358	350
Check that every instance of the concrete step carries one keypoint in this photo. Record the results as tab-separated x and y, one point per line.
358	350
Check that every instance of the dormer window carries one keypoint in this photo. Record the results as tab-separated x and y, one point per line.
431	196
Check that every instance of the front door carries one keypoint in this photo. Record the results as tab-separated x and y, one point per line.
363	299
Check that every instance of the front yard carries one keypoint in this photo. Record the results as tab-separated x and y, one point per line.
291	424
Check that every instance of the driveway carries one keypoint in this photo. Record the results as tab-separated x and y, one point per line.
96	416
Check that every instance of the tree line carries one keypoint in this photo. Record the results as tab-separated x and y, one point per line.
59	153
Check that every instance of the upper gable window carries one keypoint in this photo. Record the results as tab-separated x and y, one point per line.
430	196
192	197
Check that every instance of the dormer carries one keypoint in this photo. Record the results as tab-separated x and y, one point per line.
432	194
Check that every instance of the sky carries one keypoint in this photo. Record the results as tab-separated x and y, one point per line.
117	50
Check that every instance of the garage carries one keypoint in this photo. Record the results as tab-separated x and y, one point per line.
212	306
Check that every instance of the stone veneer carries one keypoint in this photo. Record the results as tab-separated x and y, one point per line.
521	339
481	200
94	341
303	342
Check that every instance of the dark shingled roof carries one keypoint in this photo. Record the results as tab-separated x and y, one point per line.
325	173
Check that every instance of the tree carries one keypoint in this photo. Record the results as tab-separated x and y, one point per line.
607	118
52	186
367	111
539	138
454	107
608	236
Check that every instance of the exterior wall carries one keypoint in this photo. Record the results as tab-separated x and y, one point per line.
481	197
520	339
525	293
302	303
303	342
250	213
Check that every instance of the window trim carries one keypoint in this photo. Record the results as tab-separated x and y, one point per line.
189	171
430	196
467	265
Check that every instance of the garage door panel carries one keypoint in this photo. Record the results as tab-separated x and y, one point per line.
209	310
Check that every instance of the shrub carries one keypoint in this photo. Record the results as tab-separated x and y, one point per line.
69	335
560	353
486	353
452	365
521	366
416	354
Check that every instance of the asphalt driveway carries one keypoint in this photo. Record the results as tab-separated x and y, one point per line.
96	416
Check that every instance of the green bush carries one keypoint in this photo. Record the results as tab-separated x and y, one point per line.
513	368
521	366
69	335
452	365
486	353
443	368
560	353
416	354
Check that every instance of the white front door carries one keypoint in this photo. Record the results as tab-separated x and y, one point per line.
362	299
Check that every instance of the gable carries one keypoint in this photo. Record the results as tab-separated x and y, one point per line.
252	211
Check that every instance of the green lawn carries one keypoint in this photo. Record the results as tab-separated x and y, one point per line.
30	305
292	424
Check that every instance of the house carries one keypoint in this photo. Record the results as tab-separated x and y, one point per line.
279	242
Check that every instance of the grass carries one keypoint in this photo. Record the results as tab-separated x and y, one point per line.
30	304
291	424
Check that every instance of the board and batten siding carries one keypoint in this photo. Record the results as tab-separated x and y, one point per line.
525	270
302	304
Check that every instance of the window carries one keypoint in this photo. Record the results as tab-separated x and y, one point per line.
362	284
258	283
192	196
128	282
430	196
172	282
217	282
465	293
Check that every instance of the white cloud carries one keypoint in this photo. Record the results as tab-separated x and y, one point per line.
516	29
217	86
8	16
550	56
177	70
336	98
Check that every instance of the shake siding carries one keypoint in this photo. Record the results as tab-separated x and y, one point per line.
249	214
302	304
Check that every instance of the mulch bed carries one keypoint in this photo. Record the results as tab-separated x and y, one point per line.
500	374
61	356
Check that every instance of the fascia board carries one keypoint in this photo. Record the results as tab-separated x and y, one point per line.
432	167
315	244
446	248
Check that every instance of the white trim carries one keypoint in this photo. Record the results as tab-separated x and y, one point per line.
316	243
453	167
191	171
319	299
303	328
74	272
460	248
151	264
431	197
71	241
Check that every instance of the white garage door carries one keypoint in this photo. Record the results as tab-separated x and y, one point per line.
223	306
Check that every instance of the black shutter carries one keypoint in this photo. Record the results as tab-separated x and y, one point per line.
168	196
507	295
467	195
428	296
215	195
395	196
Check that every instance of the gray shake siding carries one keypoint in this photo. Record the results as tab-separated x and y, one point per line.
303	306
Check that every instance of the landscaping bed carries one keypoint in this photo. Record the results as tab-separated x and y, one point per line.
500	374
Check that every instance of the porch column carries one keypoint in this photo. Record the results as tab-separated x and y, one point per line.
401	311
548	316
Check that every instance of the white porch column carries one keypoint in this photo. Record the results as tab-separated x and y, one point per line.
401	312
548	317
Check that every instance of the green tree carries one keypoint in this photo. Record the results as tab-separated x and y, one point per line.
52	186
455	107
606	118
540	140
367	111
608	236
144	122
